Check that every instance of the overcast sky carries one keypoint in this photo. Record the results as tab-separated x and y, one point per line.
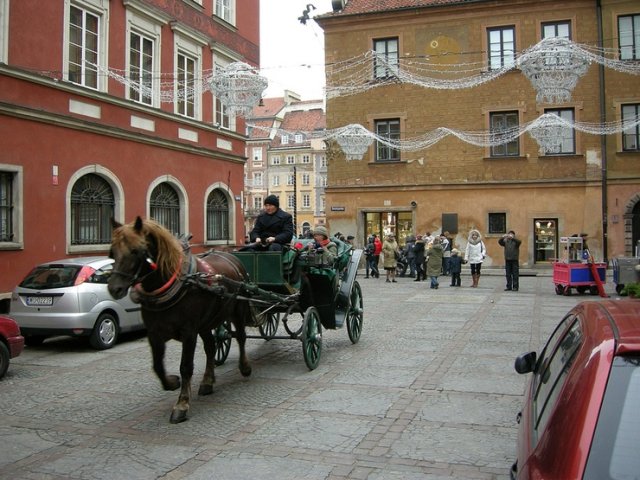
292	54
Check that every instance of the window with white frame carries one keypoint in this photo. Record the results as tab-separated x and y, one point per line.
291	159
164	207
141	52
275	181
629	36
4	30
284	139
275	160
500	122
323	204
83	48
188	61
306	200
502	47
323	181
217	216
566	144
291	179
298	138
257	179
92	208
386	57
306	179
185	77
560	29
388	129
631	136
306	158
323	162
223	118
291	202
226	10
257	203
10	206
257	154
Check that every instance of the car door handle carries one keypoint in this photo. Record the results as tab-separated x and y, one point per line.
519	417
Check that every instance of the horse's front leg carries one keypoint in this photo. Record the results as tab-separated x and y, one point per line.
241	337
157	344
181	408
209	377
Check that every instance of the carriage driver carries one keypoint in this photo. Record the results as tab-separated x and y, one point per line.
273	227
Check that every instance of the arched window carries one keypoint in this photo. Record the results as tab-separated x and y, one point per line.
217	216
165	207
92	207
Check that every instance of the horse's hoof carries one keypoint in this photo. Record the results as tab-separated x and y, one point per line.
246	371
172	383
205	390
178	416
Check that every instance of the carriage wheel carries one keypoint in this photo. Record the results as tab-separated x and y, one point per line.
559	289
355	313
593	290
222	340
311	338
269	327
567	290
581	289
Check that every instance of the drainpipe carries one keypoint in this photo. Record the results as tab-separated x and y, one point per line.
603	138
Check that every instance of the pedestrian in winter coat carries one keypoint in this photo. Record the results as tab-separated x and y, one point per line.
455	267
475	254
419	251
389	250
447	245
511	246
411	256
371	259
434	264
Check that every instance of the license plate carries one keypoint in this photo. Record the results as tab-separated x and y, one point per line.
39	301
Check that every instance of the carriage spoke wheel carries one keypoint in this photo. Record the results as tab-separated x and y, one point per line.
293	324
311	338
355	313
222	340
269	327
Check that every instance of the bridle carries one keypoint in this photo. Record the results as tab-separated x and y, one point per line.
143	258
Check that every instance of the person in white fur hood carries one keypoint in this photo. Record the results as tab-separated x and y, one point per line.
475	254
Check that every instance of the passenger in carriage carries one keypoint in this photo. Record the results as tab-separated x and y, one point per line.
323	245
273	228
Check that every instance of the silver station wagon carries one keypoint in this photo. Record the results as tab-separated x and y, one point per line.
70	297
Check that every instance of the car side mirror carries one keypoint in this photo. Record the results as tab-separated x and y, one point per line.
526	362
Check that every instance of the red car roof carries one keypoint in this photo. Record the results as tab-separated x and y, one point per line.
625	315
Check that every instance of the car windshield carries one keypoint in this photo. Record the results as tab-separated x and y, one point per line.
45	277
614	450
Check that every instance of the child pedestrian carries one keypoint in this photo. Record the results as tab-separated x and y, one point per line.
455	267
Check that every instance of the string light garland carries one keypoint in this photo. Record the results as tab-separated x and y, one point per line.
239	87
548	130
553	66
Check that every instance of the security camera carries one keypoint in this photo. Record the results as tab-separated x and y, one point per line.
414	204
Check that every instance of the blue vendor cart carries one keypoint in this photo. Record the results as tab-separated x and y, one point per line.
577	269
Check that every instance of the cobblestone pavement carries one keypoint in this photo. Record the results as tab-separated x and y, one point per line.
429	392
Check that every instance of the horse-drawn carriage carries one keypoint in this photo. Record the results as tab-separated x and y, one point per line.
296	289
217	295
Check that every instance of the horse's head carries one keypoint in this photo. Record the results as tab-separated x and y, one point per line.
140	249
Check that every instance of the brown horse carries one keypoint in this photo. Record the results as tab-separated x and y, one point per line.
181	296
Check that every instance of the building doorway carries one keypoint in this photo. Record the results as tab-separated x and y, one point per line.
546	239
399	224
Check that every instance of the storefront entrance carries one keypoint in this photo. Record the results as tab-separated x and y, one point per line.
383	223
546	239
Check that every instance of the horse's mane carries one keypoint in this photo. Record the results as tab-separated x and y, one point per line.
169	248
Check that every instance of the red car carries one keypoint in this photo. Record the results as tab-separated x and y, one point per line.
581	417
11	342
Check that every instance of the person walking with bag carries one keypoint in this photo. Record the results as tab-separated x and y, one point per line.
418	250
434	264
390	251
475	254
511	246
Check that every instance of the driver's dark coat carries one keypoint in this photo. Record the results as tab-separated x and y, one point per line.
278	225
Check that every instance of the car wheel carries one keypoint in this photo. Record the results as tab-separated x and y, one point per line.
34	340
105	332
4	359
